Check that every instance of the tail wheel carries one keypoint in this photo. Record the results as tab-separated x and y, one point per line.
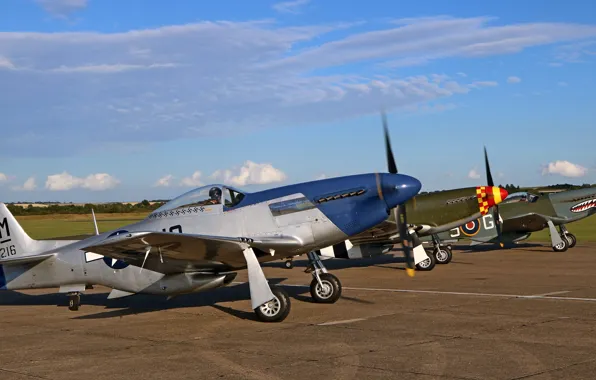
427	264
443	255
74	301
289	264
329	292
277	309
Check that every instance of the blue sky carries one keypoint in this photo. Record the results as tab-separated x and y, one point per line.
107	100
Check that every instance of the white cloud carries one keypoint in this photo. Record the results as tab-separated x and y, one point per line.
193	181
154	84
565	169
290	6
473	174
65	181
164	181
513	79
250	173
29	185
321	176
3	177
62	8
562	84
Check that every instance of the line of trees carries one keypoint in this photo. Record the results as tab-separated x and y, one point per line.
101	208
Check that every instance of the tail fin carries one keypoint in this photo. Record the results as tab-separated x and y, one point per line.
14	241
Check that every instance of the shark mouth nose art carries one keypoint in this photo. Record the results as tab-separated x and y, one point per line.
583	206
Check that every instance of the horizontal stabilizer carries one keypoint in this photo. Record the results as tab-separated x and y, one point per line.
26	259
116	293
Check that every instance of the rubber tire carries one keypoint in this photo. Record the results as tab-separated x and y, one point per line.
449	255
329	279
571	239
565	246
280	296
289	264
433	262
74	302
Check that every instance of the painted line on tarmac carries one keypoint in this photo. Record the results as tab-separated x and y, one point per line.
341	322
551	293
438	292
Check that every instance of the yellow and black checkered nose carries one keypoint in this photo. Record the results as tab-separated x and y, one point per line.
489	196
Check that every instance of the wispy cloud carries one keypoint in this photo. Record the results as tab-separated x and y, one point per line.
290	6
513	79
142	86
62	8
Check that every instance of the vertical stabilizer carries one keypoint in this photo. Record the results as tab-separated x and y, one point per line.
14	241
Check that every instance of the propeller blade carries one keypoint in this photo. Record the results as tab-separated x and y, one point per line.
399	213
391	167
489	177
490	182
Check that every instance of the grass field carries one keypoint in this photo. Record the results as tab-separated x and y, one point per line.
49	226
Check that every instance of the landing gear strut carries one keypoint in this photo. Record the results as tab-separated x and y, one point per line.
74	301
325	287
443	254
571	240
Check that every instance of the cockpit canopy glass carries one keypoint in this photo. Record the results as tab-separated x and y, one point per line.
205	196
522	196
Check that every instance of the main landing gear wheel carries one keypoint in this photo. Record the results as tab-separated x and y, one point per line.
74	301
443	255
277	309
328	290
571	240
427	264
289	264
563	246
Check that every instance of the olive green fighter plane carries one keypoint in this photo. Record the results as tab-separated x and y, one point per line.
525	212
429	215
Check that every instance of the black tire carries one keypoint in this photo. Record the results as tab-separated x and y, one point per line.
428	264
443	255
277	309
289	264
562	247
74	302
332	290
571	240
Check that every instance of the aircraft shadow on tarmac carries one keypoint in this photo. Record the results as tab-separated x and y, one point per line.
141	303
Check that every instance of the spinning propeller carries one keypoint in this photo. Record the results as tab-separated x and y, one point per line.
399	212
496	216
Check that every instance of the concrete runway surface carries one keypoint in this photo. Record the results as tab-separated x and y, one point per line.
523	313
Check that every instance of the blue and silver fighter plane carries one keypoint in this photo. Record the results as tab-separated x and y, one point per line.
201	239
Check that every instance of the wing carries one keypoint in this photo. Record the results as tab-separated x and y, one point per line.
190	252
529	222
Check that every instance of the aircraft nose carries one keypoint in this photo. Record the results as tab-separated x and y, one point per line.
504	194
401	188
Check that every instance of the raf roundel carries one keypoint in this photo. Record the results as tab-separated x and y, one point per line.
114	263
471	228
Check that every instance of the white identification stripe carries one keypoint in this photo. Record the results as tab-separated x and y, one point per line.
537	296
